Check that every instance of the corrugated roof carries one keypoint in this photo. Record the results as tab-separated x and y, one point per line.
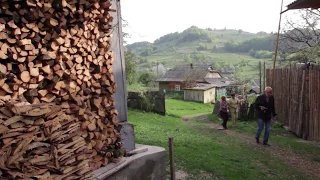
201	87
185	73
210	83
303	4
218	82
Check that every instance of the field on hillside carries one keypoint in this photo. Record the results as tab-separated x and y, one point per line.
203	152
233	59
201	46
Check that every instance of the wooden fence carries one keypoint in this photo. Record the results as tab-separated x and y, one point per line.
297	99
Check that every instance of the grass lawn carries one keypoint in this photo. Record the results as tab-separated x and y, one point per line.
140	87
279	135
179	108
205	153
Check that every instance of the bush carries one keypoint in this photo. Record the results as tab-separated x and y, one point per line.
147	78
202	47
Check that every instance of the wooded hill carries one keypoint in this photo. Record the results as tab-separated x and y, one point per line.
224	49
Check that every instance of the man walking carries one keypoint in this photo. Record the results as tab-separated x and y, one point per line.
265	112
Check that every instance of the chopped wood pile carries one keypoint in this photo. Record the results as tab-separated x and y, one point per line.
42	141
58	51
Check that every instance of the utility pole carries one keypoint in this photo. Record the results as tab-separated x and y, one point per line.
157	69
276	49
260	74
264	75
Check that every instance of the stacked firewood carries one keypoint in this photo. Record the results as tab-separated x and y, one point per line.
58	51
42	141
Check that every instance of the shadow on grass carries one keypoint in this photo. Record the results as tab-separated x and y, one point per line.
280	136
199	148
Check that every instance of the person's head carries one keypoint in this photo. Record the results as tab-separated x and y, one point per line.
268	91
223	98
233	95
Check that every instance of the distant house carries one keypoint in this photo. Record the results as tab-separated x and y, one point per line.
256	87
199	83
205	93
181	77
159	69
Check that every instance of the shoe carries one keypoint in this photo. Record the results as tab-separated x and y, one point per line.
266	144
257	140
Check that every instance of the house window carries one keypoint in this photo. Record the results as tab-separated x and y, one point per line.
177	88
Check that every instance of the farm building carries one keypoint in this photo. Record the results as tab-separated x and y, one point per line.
256	87
206	93
182	77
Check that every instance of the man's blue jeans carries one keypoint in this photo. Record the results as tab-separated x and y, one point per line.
261	124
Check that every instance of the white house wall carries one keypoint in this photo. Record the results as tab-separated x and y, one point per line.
210	96
207	96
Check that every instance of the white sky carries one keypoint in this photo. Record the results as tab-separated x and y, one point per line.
151	19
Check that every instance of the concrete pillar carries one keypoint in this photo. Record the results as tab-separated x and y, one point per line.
120	96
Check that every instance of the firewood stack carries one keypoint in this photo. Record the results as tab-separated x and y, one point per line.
58	51
41	141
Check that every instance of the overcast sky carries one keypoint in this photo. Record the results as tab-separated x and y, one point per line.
151	19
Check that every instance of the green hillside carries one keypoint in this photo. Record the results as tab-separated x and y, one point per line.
235	50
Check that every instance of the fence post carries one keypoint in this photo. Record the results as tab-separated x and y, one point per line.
171	154
260	74
264	75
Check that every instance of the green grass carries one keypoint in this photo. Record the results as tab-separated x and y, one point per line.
279	135
139	87
205	153
136	87
177	58
178	108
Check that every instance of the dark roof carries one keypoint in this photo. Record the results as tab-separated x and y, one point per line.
185	73
255	90
304	4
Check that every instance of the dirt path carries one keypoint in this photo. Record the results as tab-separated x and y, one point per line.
285	154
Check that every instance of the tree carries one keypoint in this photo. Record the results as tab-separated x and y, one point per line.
232	68
216	66
202	47
214	48
147	78
302	36
186	58
124	34
131	66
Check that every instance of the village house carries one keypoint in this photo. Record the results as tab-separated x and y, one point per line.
198	82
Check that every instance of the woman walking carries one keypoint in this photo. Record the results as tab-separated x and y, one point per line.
224	108
234	104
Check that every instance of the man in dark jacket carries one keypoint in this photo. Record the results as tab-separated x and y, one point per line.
265	112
